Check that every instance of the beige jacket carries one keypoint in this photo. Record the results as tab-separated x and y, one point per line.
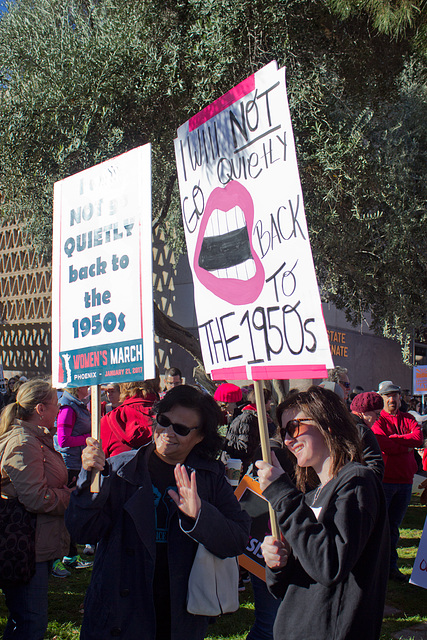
34	472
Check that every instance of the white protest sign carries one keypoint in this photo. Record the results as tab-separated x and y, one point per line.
256	295
419	571
102	300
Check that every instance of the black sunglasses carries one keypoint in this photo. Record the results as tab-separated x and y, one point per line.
293	426
180	429
345	384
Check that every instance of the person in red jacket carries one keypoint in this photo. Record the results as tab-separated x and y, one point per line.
398	434
129	426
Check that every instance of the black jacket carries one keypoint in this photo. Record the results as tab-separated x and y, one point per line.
119	600
334	584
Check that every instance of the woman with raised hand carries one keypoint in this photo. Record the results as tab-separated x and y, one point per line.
331	567
155	505
33	472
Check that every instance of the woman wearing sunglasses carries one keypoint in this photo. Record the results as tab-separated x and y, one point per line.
331	569
155	505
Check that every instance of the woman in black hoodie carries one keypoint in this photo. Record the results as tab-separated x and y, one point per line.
331	569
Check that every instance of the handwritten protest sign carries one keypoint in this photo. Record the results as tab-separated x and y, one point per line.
102	302
419	571
257	301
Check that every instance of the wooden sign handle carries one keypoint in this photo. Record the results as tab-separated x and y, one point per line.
95	410
265	445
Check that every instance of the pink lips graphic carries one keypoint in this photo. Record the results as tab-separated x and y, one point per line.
233	290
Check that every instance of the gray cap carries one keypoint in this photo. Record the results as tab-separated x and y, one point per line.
333	386
387	386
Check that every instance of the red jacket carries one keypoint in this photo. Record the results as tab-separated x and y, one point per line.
128	426
398	436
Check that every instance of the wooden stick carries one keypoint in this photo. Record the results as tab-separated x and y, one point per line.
265	445
95	410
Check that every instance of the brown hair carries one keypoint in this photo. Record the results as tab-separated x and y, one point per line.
138	388
335	424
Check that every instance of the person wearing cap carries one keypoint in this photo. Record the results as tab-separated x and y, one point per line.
227	396
367	408
242	438
371	451
398	434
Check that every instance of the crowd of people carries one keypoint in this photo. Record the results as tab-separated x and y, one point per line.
339	482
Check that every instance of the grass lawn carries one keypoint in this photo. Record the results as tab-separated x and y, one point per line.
66	596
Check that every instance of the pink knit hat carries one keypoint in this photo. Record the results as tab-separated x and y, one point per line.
368	401
228	392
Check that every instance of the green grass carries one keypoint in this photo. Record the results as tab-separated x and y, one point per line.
66	596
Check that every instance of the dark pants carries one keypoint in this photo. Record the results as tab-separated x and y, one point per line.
266	607
27	606
398	497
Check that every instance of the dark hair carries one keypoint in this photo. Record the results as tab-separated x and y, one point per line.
114	385
210	415
173	371
335	424
266	393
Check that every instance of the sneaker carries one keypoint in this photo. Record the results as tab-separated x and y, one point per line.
89	550
76	562
59	571
241	586
398	576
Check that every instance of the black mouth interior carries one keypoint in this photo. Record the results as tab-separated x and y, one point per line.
227	250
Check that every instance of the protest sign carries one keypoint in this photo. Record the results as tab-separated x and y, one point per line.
419	571
256	295
420	379
251	500
102	301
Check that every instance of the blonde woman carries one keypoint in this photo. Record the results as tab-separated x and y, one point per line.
33	472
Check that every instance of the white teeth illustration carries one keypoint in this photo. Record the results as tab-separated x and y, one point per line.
220	223
243	271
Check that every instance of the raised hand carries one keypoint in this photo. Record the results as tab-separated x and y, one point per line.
187	499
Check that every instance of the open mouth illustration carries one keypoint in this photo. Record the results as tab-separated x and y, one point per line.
225	261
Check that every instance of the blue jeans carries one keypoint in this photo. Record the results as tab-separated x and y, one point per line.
398	497
27	604
266	607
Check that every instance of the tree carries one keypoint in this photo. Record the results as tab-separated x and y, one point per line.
84	80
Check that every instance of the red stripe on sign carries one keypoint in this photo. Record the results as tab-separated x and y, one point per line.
233	373
222	103
290	371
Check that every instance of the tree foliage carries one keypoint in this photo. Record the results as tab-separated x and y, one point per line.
84	80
